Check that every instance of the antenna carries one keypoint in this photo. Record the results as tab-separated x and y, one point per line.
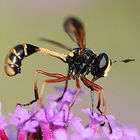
125	60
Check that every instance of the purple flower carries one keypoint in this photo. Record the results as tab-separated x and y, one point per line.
51	122
96	119
67	97
46	131
19	116
23	120
80	131
60	134
121	132
47	114
55	115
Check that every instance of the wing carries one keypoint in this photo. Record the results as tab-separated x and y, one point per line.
58	44
75	29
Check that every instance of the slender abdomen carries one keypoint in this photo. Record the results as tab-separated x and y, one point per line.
16	55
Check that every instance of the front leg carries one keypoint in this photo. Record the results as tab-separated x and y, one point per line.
99	90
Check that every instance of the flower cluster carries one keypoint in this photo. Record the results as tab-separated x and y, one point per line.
50	123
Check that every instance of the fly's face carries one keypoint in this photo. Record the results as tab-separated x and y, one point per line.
101	66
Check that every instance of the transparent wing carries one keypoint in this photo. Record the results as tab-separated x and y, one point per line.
58	44
75	29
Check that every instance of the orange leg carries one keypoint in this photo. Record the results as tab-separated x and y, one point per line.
74	99
65	89
58	78
99	89
55	75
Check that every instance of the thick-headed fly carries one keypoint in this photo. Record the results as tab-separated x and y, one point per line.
81	61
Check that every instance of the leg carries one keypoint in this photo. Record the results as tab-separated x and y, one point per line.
56	80
98	89
36	95
74	99
92	101
55	75
101	94
65	89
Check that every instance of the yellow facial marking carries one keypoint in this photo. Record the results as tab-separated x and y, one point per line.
107	69
71	54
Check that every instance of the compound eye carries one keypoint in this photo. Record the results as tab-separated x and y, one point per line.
103	65
103	62
71	54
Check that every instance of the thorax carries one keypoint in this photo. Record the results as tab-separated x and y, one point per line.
80	62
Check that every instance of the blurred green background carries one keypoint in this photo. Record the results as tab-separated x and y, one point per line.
112	26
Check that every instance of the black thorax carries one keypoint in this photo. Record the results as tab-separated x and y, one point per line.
79	62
